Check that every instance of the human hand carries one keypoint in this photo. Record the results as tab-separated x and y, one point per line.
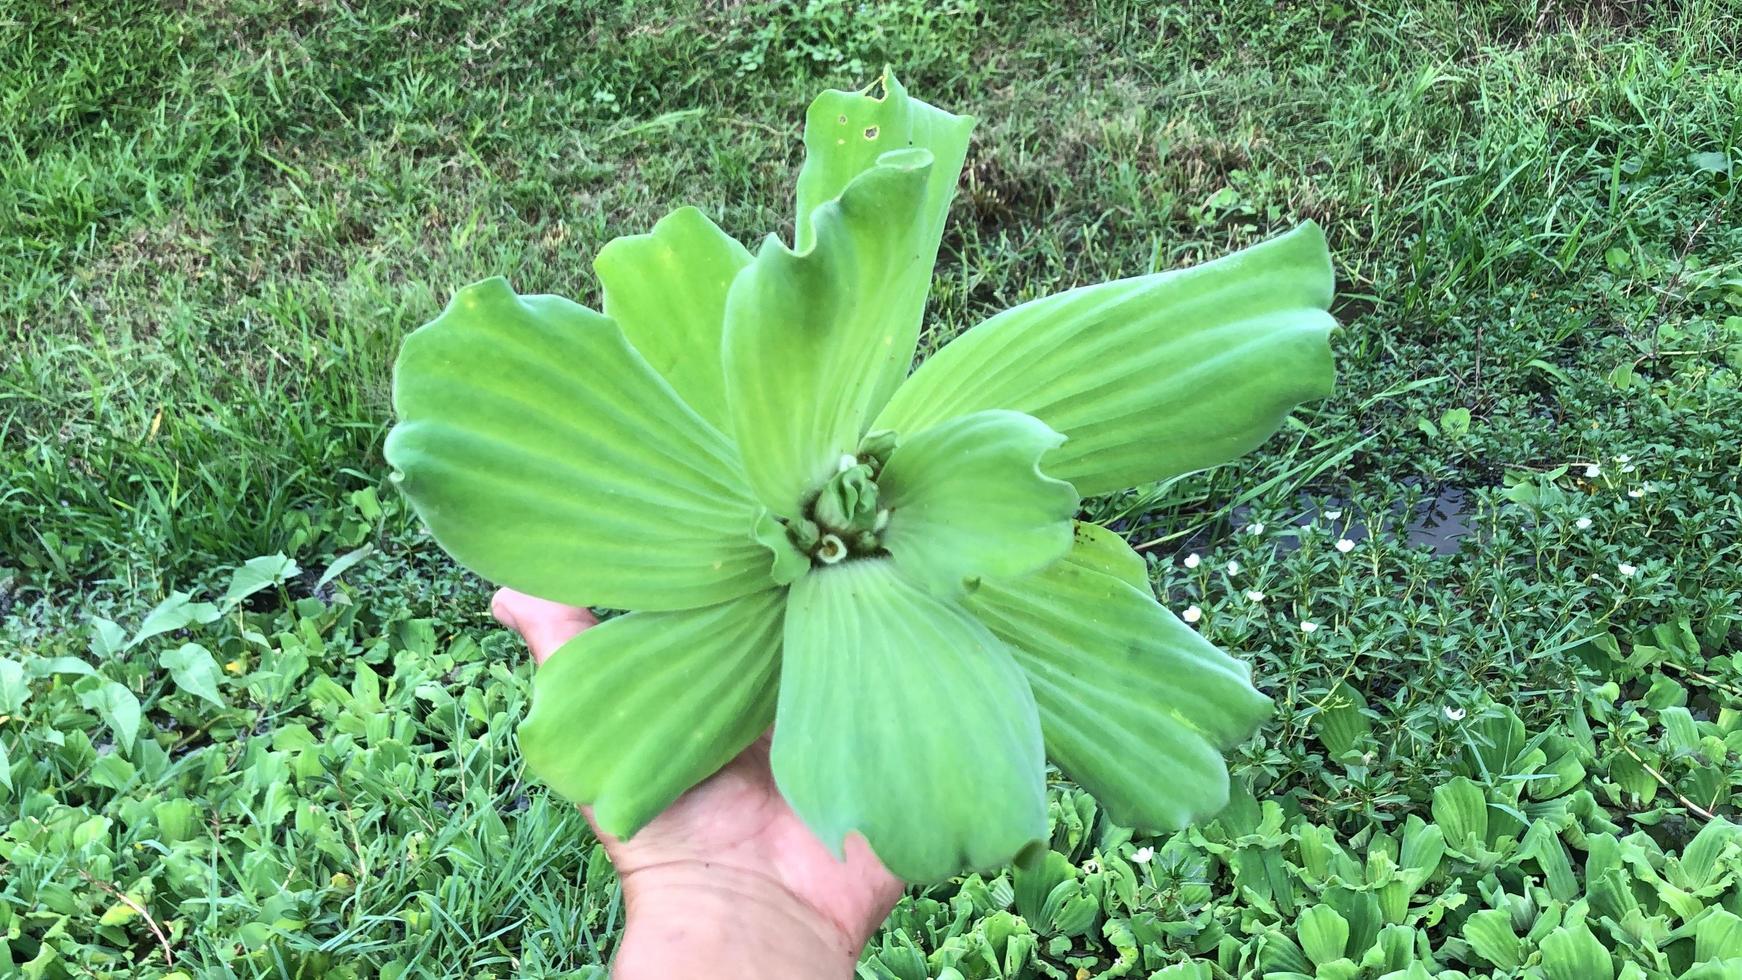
728	881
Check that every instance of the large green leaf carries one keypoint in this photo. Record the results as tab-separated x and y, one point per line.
633	712
192	668
844	135
814	338
667	290
846	132
545	454
967	499
1101	550
1150	377
1135	705
902	718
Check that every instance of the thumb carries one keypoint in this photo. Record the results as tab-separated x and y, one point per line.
543	624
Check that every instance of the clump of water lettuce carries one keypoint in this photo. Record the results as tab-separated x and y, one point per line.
882	566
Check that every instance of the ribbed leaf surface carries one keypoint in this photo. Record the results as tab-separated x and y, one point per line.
1135	705
844	135
629	714
545	454
903	719
967	499
1151	377
813	338
667	290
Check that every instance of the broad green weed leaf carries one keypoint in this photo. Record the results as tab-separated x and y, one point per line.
257	574
112	702
1126	691
1424	844
812	340
14	690
114	771
1342	723
546	455
173	613
1394	948
1151	377
120	913
868	654
632	712
667	290
967	499
5	762
45	666
192	668
107	638
1711	161
1679	729
344	563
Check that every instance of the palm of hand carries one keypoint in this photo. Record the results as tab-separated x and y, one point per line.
734	827
738	820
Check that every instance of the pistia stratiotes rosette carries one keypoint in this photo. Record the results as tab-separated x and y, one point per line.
883	568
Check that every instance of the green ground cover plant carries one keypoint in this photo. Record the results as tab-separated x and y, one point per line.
256	724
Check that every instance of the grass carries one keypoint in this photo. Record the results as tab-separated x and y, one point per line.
218	220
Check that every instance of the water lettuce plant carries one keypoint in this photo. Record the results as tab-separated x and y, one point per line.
882	566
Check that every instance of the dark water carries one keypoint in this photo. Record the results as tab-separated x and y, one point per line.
1439	521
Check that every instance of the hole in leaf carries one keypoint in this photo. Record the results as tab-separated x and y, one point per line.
870	132
843	119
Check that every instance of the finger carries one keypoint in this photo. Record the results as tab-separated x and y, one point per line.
543	624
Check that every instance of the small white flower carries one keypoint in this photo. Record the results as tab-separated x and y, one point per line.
1255	595
1623	458
1091	867
1233	568
1254	528
1345	546
1593	471
1648	487
1636	493
1331	515
1583	523
1628	468
1454	714
1308	627
1143	855
1192	614
1192	560
1627	571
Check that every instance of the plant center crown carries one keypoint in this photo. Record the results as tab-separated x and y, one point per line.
843	519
